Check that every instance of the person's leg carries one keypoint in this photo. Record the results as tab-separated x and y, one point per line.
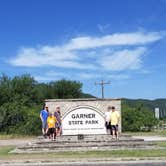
49	133
107	127
113	131
117	132
44	128
110	128
53	135
43	131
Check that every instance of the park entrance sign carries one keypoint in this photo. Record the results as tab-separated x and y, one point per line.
83	116
83	120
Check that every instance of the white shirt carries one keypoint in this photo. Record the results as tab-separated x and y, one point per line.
107	116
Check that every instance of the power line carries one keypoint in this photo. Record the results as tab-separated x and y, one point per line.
102	83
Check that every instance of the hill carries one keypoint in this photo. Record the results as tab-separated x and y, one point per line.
150	104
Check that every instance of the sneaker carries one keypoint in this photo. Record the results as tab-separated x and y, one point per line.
45	136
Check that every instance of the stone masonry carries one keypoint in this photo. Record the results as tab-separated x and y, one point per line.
67	105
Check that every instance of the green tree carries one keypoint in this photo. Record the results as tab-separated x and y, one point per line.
137	118
21	99
65	89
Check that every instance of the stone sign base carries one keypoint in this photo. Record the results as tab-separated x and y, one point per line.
84	143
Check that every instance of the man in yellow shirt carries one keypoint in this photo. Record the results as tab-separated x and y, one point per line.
51	121
115	117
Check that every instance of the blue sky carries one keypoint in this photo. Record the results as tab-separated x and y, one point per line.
122	41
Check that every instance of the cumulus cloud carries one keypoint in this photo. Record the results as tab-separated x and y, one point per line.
71	54
123	60
137	38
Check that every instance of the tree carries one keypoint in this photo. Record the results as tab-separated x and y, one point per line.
65	89
137	118
21	99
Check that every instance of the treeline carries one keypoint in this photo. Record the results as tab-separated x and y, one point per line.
21	99
150	104
137	116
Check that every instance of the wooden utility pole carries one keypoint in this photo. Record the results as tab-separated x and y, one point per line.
102	83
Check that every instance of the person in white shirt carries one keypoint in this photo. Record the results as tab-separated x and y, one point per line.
107	120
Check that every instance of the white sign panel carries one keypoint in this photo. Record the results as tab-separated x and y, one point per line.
83	120
157	113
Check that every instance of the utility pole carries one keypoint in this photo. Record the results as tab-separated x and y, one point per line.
102	83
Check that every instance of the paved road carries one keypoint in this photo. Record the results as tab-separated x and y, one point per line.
151	138
120	163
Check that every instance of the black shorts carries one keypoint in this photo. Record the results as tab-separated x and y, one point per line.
108	125
51	131
114	127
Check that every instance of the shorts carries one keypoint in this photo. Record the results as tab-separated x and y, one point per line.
51	131
108	125
44	124
114	127
58	125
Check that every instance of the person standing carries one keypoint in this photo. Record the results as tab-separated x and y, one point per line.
51	121
115	118
107	120
43	116
57	115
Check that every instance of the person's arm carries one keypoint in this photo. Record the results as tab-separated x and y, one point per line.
47	122
118	117
55	122
41	117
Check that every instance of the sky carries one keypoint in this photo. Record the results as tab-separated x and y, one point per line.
118	41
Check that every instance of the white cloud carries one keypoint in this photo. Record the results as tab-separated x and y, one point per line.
88	75
123	60
137	38
48	56
106	75
71	54
53	76
118	76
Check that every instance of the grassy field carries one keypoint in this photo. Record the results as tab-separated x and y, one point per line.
4	155
15	136
90	154
152	133
161	144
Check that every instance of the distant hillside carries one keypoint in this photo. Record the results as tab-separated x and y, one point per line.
86	95
151	104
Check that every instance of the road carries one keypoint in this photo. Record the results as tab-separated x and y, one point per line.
116	163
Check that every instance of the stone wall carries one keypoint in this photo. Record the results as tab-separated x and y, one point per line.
67	105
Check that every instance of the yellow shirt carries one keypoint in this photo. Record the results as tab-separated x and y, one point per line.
114	118
51	122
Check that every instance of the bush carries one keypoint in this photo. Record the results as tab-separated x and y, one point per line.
137	118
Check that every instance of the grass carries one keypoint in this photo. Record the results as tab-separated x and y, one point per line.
151	133
15	136
161	144
89	154
4	155
4	150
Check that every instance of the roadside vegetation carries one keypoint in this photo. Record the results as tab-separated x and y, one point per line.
4	154
22	98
